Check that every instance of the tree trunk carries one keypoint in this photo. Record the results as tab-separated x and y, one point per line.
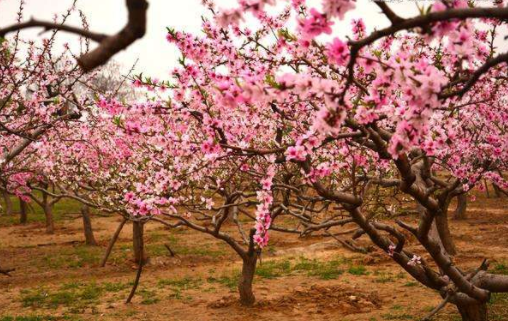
48	213
87	226
445	235
140	256
112	242
473	312
23	209
497	191
8	203
460	212
247	297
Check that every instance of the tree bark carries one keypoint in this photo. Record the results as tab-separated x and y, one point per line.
473	312
140	267
486	188
445	234
140	256
47	206
460	212
112	242
23	212
440	231
87	226
8	204
247	297
497	191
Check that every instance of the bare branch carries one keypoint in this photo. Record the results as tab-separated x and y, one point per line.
108	45
34	23
134	30
394	18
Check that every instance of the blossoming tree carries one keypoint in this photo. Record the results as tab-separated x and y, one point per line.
418	107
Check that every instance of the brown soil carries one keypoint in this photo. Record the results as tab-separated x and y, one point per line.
198	284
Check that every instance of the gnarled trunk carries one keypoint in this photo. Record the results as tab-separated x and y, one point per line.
87	226
440	231
460	212
47	207
140	256
445	235
246	278
473	312
8	203
23	212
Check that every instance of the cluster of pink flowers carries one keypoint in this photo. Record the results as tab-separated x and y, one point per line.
338	52
316	24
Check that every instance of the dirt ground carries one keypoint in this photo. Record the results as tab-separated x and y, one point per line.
58	278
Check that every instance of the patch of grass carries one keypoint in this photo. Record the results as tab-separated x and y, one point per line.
159	249
69	295
273	269
324	270
498	307
148	297
35	212
357	270
383	277
115	287
182	284
86	255
230	281
405	316
73	257
411	284
501	268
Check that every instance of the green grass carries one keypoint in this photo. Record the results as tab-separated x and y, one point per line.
115	287
183	283
501	268
325	270
273	269
177	286
159	249
498	307
404	316
73	257
229	281
148	296
357	270
35	212
75	296
411	284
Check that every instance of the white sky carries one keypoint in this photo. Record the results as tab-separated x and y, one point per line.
156	56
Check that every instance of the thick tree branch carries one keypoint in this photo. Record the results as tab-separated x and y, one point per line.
425	20
134	30
108	45
34	23
503	58
392	16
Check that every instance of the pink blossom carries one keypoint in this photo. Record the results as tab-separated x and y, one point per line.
338	8
338	52
298	153
315	25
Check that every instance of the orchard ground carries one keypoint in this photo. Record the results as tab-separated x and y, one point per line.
58	278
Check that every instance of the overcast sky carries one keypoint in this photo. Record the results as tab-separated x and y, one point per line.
156	56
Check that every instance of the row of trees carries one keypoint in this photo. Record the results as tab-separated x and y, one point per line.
282	129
